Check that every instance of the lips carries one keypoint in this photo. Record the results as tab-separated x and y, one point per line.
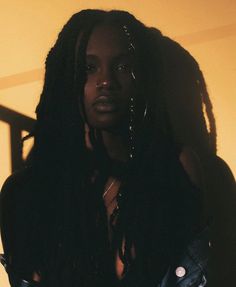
105	104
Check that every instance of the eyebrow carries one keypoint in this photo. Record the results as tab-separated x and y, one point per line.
121	55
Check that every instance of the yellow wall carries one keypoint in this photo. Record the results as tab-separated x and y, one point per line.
206	28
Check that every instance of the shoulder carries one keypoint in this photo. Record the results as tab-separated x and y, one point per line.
220	184
212	174
212	170
218	172
16	185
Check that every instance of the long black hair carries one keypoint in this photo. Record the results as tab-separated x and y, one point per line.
159	210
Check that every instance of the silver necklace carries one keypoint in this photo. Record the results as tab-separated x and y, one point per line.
108	188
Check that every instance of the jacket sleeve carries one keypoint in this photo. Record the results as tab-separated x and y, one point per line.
190	270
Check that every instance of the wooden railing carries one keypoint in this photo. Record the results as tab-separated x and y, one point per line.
17	123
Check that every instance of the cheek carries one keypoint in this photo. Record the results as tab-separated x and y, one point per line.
89	94
126	83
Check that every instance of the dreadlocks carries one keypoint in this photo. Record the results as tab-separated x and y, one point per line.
68	207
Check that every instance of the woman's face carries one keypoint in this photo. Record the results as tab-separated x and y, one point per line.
109	84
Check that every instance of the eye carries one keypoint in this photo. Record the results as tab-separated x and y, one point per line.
123	67
90	68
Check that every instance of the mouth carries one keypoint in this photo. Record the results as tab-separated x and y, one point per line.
105	104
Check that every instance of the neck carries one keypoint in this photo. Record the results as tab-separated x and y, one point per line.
116	145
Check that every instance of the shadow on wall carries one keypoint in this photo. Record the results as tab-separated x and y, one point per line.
18	123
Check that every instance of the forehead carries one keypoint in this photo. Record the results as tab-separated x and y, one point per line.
105	39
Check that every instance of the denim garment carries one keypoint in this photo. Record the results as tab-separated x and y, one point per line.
189	271
191	268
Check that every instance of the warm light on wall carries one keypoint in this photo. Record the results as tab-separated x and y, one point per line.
29	31
4	151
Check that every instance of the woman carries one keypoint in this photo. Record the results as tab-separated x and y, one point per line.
113	195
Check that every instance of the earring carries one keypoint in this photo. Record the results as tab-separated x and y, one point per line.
133	75
145	112
131	129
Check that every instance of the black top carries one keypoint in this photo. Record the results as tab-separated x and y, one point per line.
170	199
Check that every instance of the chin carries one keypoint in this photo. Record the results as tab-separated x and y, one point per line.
108	123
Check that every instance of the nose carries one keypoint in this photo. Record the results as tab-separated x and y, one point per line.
106	80
103	84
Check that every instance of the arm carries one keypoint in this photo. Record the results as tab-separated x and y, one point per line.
214	177
221	205
13	226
